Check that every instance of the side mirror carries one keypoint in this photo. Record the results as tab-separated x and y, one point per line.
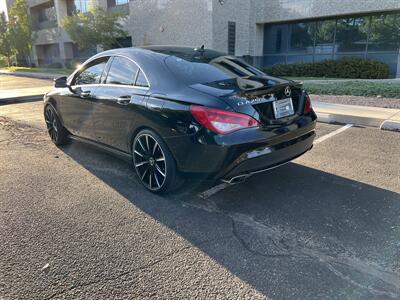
61	82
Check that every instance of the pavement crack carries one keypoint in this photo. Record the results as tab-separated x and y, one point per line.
291	248
93	282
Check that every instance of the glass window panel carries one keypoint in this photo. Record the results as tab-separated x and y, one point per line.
385	33
92	74
122	71
141	80
324	36
276	38
302	37
351	34
120	2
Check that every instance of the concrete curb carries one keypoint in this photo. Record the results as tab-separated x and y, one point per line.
32	74
383	118
30	98
390	125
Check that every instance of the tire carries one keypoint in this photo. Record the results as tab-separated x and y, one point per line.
57	133
154	163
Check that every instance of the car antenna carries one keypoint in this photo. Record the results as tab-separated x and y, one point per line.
201	49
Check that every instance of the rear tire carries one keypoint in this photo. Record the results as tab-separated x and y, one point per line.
154	163
57	132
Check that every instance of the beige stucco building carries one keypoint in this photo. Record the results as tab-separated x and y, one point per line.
266	32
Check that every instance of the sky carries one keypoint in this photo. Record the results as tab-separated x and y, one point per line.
2	5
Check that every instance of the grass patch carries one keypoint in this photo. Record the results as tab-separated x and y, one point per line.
61	71
310	78
385	89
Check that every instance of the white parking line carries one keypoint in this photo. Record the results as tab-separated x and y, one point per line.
215	189
331	134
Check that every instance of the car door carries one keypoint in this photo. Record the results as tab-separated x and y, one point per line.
117	103
76	106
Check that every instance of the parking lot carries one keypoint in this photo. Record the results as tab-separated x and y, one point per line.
76	223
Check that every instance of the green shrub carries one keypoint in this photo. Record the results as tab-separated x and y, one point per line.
343	68
3	62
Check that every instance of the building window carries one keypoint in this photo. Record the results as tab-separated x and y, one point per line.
77	6
113	3
302	37
231	37
324	37
384	33
351	34
371	37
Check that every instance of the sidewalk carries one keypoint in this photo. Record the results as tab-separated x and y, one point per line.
18	89
38	75
25	94
384	118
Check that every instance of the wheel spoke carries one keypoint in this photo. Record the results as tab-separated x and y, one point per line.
155	176
159	170
144	173
138	153
141	145
141	163
155	147
147	142
151	173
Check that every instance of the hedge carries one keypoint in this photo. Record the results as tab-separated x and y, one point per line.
343	68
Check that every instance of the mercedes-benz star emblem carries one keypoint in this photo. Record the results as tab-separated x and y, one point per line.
288	92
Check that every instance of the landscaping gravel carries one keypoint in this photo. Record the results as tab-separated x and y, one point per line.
359	100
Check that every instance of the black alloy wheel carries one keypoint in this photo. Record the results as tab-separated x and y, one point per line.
153	162
56	131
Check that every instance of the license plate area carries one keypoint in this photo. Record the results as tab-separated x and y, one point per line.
283	108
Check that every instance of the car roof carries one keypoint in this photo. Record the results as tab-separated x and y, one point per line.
150	58
160	51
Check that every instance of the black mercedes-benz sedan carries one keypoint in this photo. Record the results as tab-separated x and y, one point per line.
179	110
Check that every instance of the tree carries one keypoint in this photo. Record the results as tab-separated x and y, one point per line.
5	38
96	27
20	29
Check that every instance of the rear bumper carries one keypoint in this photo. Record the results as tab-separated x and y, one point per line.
265	158
244	151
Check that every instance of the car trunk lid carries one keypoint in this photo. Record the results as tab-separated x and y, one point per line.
258	96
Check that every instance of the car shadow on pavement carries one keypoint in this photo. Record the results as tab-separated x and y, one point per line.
296	232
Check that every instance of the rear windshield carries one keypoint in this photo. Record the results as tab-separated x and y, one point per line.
202	70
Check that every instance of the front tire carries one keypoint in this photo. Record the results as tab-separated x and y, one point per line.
57	132
154	163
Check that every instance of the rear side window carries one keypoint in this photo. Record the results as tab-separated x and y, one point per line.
92	72
141	80
122	71
195	72
202	69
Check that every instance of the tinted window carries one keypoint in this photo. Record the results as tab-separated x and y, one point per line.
92	73
302	37
351	34
141	80
122	71
385	33
204	70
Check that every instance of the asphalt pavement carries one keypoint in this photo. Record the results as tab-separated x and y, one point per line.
75	223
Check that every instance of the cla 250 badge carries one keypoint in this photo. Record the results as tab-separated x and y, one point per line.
250	101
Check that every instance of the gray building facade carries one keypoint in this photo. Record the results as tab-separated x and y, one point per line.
266	32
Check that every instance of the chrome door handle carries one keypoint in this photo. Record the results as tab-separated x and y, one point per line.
85	94
124	100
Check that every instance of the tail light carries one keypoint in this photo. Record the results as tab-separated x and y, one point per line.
221	121
307	105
